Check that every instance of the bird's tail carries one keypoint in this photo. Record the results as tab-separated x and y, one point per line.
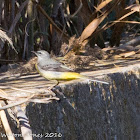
94	80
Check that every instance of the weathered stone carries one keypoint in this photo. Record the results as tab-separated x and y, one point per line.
92	111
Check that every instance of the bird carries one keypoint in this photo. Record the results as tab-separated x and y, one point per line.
52	69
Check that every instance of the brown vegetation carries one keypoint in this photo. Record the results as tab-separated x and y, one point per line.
38	25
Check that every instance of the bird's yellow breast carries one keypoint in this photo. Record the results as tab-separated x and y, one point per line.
70	75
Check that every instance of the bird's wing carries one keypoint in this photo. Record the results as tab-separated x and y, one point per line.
55	67
65	67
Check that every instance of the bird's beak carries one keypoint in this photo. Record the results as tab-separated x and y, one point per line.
34	52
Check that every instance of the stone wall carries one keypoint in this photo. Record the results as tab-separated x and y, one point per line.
91	111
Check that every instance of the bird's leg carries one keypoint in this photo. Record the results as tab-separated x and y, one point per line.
56	84
53	86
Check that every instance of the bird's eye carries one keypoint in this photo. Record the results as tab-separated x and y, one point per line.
39	53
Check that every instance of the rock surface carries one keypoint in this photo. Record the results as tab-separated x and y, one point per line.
92	111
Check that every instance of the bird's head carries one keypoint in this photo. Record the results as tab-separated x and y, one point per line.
42	54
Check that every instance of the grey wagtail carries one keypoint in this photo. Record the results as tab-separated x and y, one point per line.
51	69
